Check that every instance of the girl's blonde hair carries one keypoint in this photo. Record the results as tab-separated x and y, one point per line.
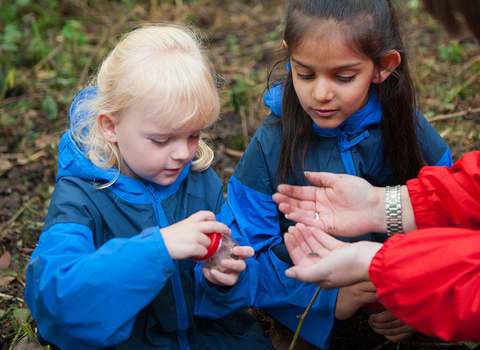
164	64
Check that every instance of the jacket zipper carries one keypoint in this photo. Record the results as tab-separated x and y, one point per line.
180	304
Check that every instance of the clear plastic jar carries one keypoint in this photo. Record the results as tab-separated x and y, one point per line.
220	248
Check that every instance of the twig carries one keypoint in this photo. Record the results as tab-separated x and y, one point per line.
454	115
243	116
99	45
48	57
382	345
302	318
460	88
153	9
233	152
91	12
19	212
24	97
11	297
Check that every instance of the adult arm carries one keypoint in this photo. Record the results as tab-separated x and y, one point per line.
430	279
350	206
449	197
330	263
340	204
427	278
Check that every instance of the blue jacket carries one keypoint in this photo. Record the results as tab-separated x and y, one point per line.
101	276
355	147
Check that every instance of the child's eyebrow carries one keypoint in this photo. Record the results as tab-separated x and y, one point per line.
345	66
157	135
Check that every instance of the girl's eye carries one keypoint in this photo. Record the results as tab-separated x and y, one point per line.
305	76
346	79
159	143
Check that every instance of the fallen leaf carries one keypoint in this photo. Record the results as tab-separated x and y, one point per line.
5	260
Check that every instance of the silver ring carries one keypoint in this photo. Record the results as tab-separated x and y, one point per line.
317	216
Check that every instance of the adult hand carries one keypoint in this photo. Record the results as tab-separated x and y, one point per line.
189	238
342	205
390	327
326	261
235	267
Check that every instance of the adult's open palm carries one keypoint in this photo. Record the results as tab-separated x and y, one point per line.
339	204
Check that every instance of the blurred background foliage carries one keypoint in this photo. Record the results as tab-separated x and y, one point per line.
49	48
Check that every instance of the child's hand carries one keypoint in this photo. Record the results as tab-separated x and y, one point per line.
235	267
390	327
188	238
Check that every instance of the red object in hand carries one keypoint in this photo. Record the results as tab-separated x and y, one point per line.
216	240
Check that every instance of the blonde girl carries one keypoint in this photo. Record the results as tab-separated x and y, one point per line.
135	200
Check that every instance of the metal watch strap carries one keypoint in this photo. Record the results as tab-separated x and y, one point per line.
393	209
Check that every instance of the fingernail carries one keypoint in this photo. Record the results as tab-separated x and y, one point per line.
286	217
290	274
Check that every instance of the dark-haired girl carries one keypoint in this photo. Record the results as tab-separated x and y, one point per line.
347	105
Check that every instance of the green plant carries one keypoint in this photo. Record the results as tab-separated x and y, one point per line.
22	322
451	53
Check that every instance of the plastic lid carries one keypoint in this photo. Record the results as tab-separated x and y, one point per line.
216	240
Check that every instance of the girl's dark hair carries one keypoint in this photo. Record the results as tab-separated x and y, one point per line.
446	12
371	26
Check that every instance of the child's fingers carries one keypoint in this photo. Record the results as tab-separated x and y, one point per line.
234	265
243	251
220	278
213	226
202	215
199	252
298	255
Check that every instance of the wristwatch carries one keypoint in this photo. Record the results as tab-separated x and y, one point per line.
393	208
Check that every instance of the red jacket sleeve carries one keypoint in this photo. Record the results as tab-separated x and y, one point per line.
430	279
448	197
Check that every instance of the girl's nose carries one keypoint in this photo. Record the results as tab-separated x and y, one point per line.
323	90
181	150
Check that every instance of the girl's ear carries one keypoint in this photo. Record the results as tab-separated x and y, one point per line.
284	46
106	122
388	64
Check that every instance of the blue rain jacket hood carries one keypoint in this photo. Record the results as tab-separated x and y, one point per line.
356	148
101	276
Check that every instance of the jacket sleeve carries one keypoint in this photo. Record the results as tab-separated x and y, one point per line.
448	197
90	297
250	198
435	150
430	279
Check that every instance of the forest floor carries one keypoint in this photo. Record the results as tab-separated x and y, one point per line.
48	51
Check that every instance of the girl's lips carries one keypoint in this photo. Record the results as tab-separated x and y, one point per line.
173	171
325	113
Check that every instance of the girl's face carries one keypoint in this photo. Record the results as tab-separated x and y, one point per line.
152	151
331	81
